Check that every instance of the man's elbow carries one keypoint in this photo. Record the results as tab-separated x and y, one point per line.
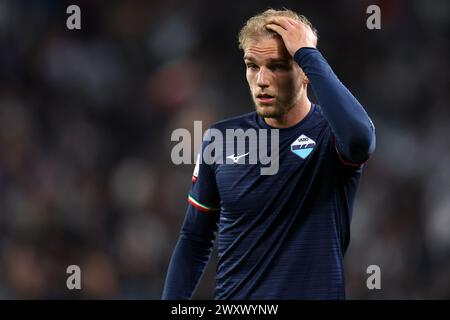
362	146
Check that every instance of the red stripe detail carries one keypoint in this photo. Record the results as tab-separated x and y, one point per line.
345	162
194	179
198	207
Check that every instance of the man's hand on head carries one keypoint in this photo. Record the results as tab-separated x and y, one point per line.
295	34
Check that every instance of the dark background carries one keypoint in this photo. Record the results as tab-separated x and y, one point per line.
86	116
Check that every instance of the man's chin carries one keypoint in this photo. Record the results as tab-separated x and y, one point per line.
268	111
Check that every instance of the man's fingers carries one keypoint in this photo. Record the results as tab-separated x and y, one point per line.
279	21
288	23
276	28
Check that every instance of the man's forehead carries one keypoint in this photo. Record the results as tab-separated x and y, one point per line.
267	48
273	59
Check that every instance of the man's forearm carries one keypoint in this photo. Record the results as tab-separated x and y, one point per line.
352	127
188	262
190	256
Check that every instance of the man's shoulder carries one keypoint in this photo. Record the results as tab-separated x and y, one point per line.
243	121
319	113
317	117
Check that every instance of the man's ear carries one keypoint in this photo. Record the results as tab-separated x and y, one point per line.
305	80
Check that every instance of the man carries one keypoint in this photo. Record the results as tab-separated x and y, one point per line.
280	236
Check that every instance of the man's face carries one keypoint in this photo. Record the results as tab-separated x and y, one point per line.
275	79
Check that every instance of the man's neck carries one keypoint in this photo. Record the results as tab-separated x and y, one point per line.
294	116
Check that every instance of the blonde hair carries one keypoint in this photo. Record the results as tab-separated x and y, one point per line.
255	27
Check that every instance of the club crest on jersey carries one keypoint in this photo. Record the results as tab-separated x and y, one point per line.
302	146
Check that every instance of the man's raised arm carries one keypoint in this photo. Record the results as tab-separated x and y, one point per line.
352	127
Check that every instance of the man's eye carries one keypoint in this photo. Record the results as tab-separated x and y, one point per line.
280	67
252	66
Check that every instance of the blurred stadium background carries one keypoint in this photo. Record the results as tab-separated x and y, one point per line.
86	117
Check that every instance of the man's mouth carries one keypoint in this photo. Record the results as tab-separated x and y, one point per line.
265	98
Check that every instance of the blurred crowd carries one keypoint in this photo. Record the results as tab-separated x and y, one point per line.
86	117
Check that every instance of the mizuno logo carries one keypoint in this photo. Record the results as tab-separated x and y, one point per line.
236	159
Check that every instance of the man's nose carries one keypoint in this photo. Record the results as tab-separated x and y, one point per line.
262	79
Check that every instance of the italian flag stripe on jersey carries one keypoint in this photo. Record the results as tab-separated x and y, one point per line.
200	206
